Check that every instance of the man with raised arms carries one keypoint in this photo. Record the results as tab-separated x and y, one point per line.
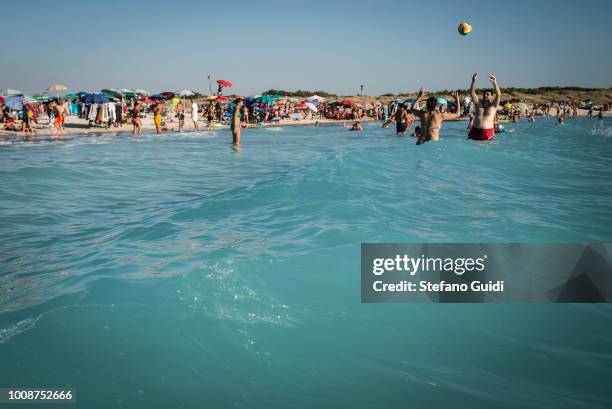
431	119
483	127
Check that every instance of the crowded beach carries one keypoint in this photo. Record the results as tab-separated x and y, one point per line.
58	112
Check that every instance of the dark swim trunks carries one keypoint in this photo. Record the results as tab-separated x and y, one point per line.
401	127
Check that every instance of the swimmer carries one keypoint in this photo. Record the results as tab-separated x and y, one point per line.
417	132
483	124
355	127
388	122
561	120
431	120
403	120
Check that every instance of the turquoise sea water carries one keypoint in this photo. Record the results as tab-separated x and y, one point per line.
176	272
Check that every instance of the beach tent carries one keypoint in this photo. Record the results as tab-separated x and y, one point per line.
7	92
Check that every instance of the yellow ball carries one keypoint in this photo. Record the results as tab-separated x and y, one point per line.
464	28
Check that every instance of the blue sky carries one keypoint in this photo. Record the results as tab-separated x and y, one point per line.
389	46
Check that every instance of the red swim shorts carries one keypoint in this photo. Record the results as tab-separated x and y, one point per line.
478	134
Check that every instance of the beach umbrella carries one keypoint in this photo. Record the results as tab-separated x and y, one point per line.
294	100
315	98
186	93
113	92
347	102
157	96
1	100
146	100
142	92
14	102
57	88
264	99
301	105
95	99
224	84
173	101
7	92
167	94
222	98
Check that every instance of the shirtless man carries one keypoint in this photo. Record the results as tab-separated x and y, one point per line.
157	116
483	128
137	130
403	120
431	120
60	113
235	124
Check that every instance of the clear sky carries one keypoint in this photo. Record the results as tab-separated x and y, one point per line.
389	46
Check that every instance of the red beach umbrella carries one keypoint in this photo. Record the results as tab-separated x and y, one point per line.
1	100
347	103
224	83
222	98
301	105
146	100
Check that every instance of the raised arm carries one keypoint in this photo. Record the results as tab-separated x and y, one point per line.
497	90
473	88
422	94
457	113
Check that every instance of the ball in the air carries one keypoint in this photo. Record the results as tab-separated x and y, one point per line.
464	28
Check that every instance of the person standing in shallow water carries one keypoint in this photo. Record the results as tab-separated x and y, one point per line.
235	123
483	127
157	116
431	119
137	128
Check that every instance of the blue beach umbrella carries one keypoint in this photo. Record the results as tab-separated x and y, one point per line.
95	99
13	102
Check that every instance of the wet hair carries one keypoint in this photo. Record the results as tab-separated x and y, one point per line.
431	103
